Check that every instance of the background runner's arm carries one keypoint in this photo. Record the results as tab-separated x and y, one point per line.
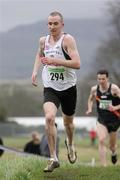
116	92
90	101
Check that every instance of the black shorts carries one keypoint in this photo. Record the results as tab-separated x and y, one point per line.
66	98
111	126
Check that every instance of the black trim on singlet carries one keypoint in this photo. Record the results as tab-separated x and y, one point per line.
108	91
67	57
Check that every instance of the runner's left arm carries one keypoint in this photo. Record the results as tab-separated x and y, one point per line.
116	92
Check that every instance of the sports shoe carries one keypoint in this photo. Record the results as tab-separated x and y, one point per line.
51	166
72	155
114	158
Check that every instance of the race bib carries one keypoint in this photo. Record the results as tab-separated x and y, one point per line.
104	104
57	74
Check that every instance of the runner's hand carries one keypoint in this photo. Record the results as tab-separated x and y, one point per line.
112	108
48	61
88	112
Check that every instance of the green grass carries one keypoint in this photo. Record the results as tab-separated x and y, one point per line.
31	168
16	167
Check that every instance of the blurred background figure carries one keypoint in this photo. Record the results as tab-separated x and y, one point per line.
44	149
34	145
1	143
93	136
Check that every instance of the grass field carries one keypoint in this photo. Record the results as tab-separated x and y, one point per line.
17	167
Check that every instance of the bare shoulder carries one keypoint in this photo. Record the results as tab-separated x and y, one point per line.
93	90
68	38
42	40
69	42
41	46
115	89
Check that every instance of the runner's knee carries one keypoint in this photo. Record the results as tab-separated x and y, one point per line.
69	124
102	141
50	119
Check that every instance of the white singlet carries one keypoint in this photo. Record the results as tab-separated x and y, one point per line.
57	77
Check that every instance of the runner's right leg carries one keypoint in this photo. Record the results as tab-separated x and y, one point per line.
50	111
102	135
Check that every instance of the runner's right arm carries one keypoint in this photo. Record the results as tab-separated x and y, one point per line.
91	99
40	53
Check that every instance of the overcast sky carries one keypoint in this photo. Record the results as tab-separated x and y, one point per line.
17	12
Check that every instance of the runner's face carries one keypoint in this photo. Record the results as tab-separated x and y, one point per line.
55	25
102	79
